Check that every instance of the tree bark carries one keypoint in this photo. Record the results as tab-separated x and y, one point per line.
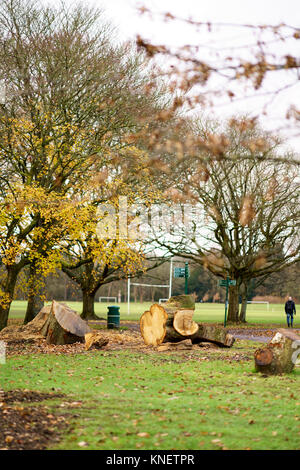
64	326
280	354
94	340
243	310
213	334
233	307
34	302
88	305
29	332
7	294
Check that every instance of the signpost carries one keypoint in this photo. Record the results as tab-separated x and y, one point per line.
226	283
183	272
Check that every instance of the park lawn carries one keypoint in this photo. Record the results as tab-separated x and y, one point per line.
204	312
206	399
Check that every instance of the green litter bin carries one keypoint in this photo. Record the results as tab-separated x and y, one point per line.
113	317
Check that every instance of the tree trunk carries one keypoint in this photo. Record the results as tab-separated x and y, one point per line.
213	334
64	326
6	295
36	290
34	305
88	309
233	307
280	354
243	310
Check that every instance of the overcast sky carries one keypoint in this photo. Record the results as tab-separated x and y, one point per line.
125	16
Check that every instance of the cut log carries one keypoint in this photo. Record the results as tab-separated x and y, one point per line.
94	340
153	325
180	310
213	334
64	325
280	354
157	325
183	323
173	322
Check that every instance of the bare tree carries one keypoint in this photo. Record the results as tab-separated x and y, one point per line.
243	215
228	63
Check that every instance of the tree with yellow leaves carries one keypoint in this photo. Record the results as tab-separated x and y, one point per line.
72	100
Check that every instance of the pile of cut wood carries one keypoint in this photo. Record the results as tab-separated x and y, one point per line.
173	322
58	324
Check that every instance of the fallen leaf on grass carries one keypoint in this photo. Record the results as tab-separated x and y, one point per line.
82	444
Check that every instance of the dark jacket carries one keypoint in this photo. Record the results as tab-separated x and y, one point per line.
290	307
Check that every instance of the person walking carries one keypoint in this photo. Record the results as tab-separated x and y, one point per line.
290	310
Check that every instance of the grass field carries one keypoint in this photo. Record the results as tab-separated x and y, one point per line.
205	312
144	399
131	400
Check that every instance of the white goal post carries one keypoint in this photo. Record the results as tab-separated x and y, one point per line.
259	302
108	298
168	286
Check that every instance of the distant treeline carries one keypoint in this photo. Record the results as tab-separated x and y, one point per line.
202	284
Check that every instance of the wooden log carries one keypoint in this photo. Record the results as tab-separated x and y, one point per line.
180	310
64	325
280	354
169	322
153	325
173	322
94	340
183	323
214	334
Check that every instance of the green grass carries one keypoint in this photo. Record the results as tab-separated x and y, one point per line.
193	400
205	312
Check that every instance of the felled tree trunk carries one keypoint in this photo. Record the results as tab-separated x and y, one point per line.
173	322
213	334
280	354
64	325
170	322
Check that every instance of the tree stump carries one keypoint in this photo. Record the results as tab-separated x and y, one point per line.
30	331
173	322
64	325
280	354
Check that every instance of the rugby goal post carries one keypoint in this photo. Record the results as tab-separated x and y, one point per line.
259	302
108	298
168	286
